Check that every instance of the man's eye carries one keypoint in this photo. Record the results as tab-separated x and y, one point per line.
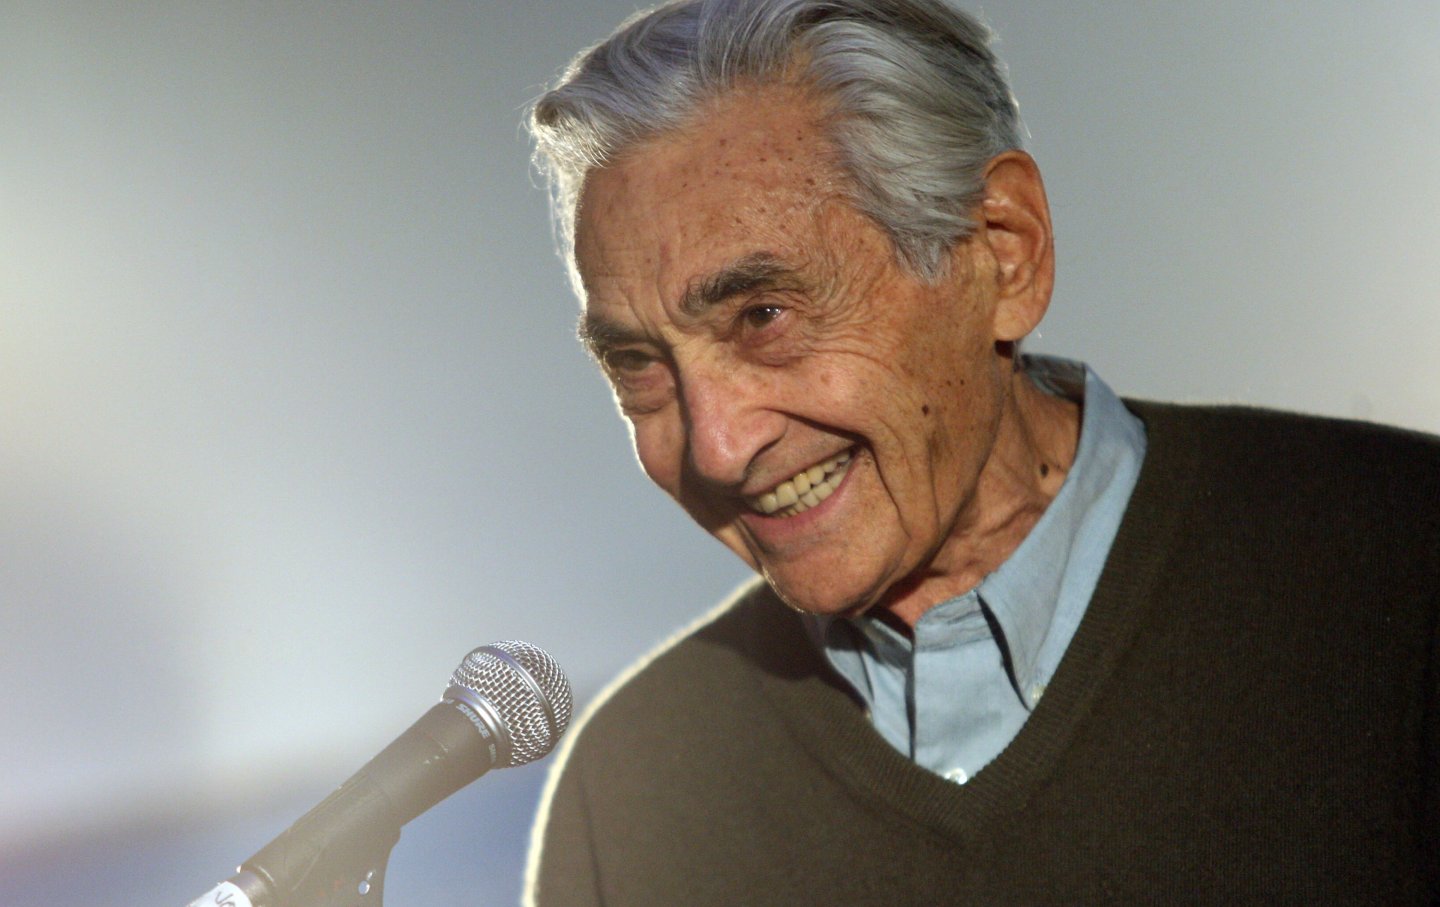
626	361
760	316
640	379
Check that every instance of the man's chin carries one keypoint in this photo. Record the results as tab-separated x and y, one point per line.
822	602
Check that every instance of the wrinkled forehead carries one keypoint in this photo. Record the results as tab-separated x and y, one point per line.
740	180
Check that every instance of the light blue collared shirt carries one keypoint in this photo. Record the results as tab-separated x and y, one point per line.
956	695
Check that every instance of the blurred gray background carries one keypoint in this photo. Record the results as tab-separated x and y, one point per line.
292	417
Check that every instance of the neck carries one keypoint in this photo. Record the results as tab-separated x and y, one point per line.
1034	450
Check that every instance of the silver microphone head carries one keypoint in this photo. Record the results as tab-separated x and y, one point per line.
527	691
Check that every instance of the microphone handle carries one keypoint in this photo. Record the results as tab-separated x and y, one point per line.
336	853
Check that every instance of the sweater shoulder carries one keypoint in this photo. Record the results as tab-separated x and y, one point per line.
634	736
1358	470
1281	501
1323	437
702	670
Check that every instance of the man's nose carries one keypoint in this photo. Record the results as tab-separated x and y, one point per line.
730	417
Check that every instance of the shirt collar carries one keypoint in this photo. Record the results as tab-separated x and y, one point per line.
1022	593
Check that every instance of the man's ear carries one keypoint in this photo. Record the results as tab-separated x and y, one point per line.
1014	226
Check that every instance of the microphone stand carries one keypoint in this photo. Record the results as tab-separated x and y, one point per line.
337	880
355	887
309	866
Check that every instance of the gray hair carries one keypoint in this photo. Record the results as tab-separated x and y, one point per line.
919	102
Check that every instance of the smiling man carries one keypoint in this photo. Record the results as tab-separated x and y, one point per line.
1014	641
858	433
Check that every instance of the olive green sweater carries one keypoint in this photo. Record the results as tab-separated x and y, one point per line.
1250	711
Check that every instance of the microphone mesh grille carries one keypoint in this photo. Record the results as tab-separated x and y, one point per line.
532	733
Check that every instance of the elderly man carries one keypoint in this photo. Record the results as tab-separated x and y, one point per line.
1014	641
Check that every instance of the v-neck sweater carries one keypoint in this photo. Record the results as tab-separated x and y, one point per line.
1248	710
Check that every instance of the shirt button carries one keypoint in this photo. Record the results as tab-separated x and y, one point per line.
1036	691
957	775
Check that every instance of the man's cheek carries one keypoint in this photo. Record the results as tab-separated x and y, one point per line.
660	450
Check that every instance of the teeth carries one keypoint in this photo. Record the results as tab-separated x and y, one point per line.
785	494
804	490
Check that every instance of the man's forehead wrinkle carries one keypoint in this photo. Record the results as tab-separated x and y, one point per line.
754	271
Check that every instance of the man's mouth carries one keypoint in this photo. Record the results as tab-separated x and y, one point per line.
803	490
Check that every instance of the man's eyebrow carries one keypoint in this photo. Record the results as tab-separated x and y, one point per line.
599	334
753	272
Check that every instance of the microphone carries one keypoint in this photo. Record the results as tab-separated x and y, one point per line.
507	704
